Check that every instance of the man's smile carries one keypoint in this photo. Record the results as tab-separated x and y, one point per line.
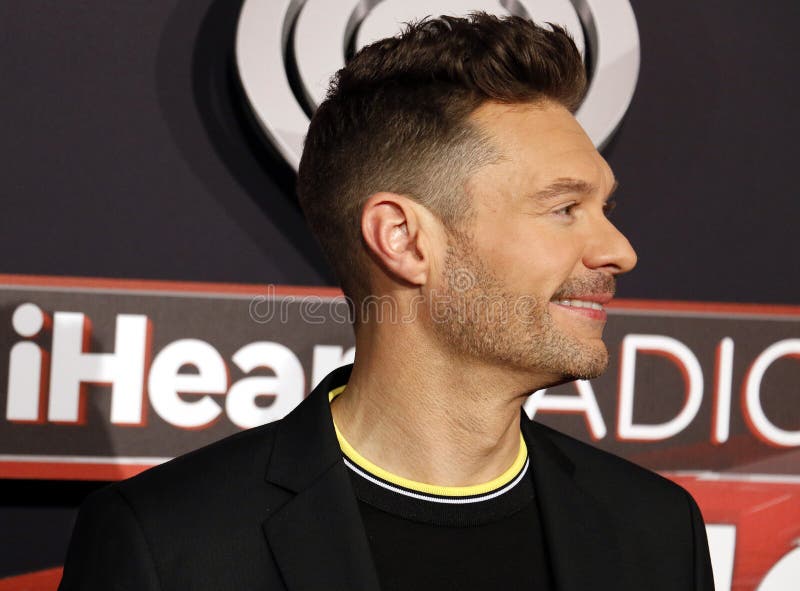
589	306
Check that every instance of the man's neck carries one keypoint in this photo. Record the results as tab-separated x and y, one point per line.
427	417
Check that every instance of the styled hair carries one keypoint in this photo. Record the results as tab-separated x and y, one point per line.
395	119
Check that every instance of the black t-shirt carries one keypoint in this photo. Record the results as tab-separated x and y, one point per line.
460	538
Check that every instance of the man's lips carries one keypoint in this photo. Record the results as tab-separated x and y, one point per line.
597	297
586	305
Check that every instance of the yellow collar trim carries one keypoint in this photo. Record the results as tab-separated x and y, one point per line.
450	491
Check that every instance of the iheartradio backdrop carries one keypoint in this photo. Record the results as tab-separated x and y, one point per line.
148	226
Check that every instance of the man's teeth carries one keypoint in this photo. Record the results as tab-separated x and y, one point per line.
581	304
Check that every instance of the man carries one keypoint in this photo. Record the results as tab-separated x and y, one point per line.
465	211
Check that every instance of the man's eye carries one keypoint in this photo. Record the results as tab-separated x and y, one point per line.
566	210
609	207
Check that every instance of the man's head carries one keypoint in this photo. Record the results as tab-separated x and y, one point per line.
433	168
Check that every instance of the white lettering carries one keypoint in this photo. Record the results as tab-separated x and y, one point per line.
26	367
24	401
722	415
784	575
683	357
72	366
722	549
166	382
585	402
773	434
285	389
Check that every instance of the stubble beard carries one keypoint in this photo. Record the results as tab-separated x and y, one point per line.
477	316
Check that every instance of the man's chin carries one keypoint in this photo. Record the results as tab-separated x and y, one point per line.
594	368
586	366
590	363
588	373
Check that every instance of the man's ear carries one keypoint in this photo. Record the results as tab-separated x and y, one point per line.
392	229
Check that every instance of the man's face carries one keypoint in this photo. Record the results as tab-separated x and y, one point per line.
523	283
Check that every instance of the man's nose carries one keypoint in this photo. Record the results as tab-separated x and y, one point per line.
608	249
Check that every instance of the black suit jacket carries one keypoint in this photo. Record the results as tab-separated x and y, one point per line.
272	508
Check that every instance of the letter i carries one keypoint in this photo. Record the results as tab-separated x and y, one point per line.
720	429
27	367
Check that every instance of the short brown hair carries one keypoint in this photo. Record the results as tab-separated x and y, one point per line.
395	120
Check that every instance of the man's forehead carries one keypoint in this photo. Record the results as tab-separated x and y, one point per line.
542	142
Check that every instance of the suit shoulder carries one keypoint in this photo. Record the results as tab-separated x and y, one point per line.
184	514
229	462
609	473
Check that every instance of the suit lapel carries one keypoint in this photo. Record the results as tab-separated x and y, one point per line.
317	537
579	533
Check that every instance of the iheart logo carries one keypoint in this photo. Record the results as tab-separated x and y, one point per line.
287	50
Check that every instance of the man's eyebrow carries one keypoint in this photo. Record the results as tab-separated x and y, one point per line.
567	185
